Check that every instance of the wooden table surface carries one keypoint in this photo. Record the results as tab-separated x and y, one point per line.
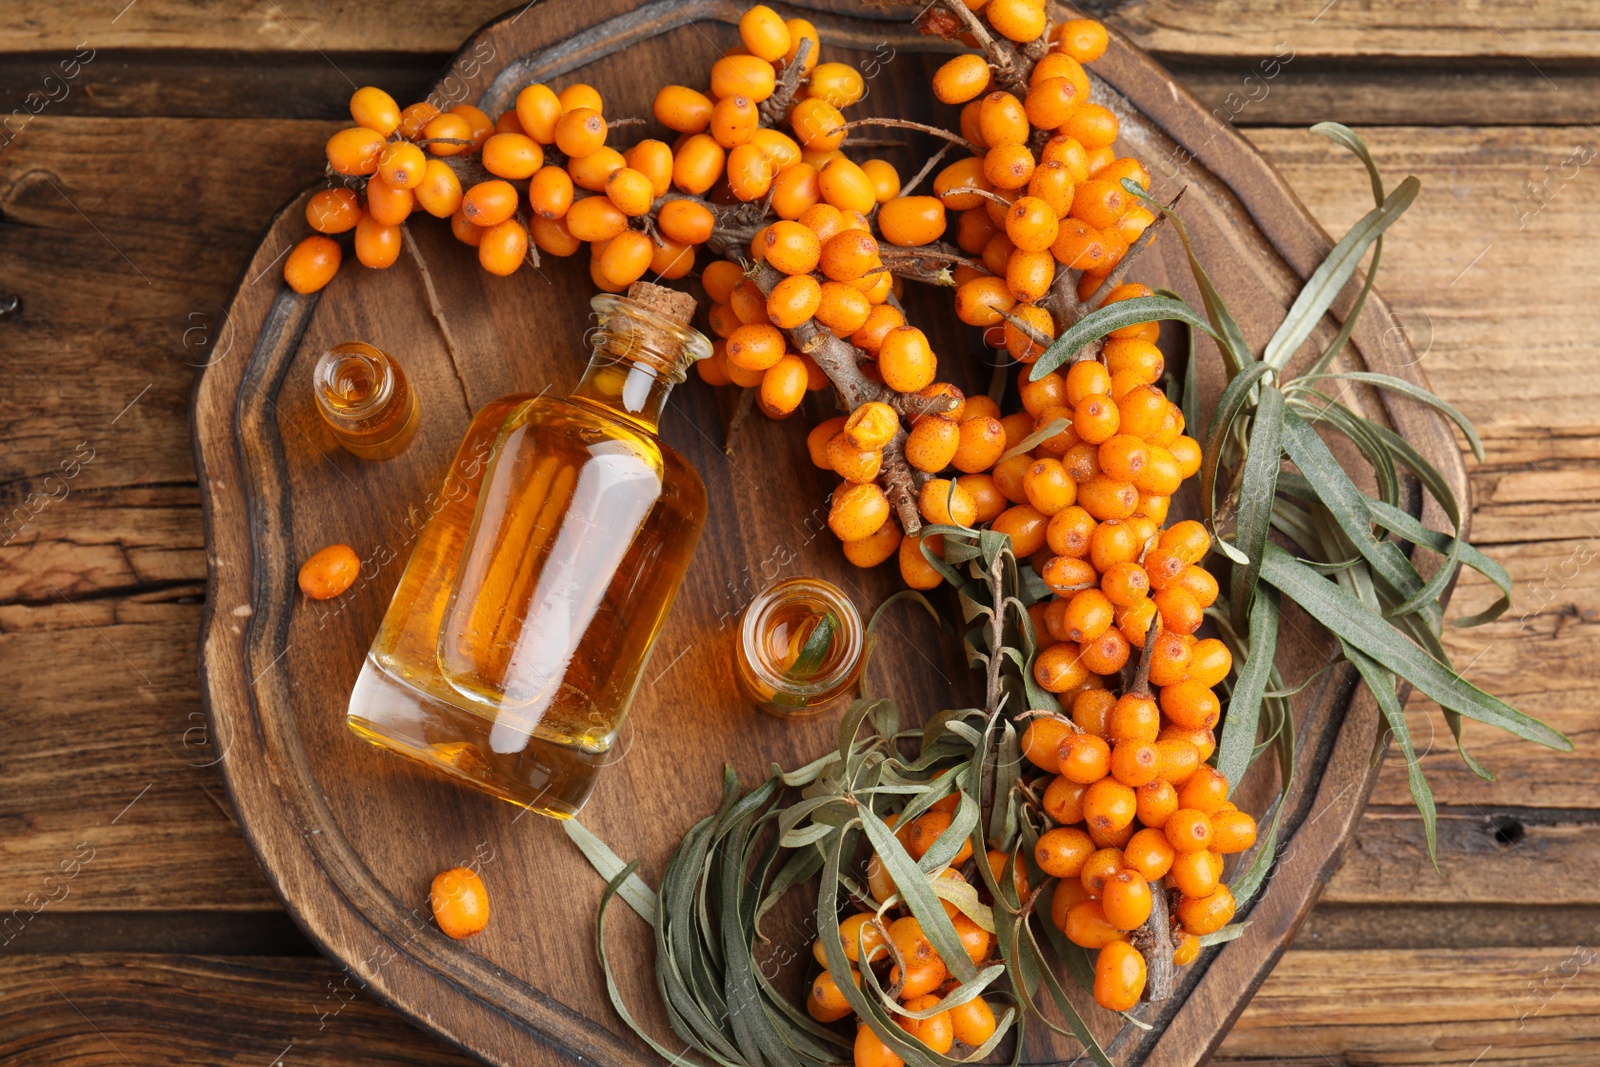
146	147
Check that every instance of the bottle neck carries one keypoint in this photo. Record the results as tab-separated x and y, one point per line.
638	357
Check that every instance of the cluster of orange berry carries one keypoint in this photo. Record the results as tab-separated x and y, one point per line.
926	979
1133	800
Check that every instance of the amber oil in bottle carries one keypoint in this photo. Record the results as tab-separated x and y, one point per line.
521	627
799	647
366	400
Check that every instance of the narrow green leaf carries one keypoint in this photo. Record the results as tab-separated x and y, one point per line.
1241	724
1231	932
1382	685
1035	439
1328	279
1096	324
639	896
815	648
1417	393
1347	618
1258	487
1235	398
912	882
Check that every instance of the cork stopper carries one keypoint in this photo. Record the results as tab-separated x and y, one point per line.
668	303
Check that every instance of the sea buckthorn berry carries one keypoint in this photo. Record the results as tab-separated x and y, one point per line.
595	218
973	1022
943	502
1059	668
923	831
1186	452
1179	759
1232	831
1083	39
783	386
986	497
750	173
1081	459
387	205
1027	346
980	404
1009	166
550	192
1200	584
1062	852
1126	167
1106	498
1066	576
1100	868
764	32
377	245
375	109
936	1031
333	210
982	301
414	118
580	132
554	236
857	511
1008	475
697	164
1028	276
1108	653
355	150
1002	120
1206	790
1063	800
591	171
1016	20
1041	743
459	901
1150	853
983	440
680	108
1125	584
952	185
1094	127
793	301
915	570
974	229
1088	615
653	159
801	30
1119	977
581	95
1091	710
1140	411
1052	182
507	155
843	309
859	930
1206	915
1125	457
1086	378
870	1051
749	75
1099	203
1062	148
871	426
1134	222
846	186
795	190
1070	532
686	222
1134	621
1211	662
481	127
490	202
1084	759
1031	224
755	347
723	321
961	79
1164	567
1135	718
848	254
1188	829
1095	419
1196	874
1133	763
1190	539
1159	474
1050	102
886	181
1139	357
905	360
791	248
630	191
312	265
1170	658
1191	705
401	165
1048	488
908	221
1180	612
1187	949
1080	246
817	124
824	1002
502	247
1086	925
1125	900
720	279
733	120
713	369
932	443
839	84
1156	801
1109	806
538	112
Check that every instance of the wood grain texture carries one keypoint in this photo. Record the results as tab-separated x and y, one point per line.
1406	1008
336	824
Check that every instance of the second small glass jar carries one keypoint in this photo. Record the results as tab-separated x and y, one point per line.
366	400
799	647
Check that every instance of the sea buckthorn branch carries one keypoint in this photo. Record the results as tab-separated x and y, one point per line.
775	107
1154	941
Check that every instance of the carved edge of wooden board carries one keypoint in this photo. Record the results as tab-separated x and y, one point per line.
482	996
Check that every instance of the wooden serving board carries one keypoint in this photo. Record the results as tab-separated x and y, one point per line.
350	836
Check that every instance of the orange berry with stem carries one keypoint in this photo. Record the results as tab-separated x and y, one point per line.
1150	853
1109	806
1099	203
1206	915
1119	977
906	361
414	118
401	165
1155	802
750	75
312	264
1062	852
1126	899
1016	20
952	185
490	202
1060	668
982	300
1134	763
448	134
734	120
1084	758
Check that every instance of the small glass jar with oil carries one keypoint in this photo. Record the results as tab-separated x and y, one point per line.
799	647
366	400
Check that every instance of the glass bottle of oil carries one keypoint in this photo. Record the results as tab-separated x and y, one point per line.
366	400
521	626
799	647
